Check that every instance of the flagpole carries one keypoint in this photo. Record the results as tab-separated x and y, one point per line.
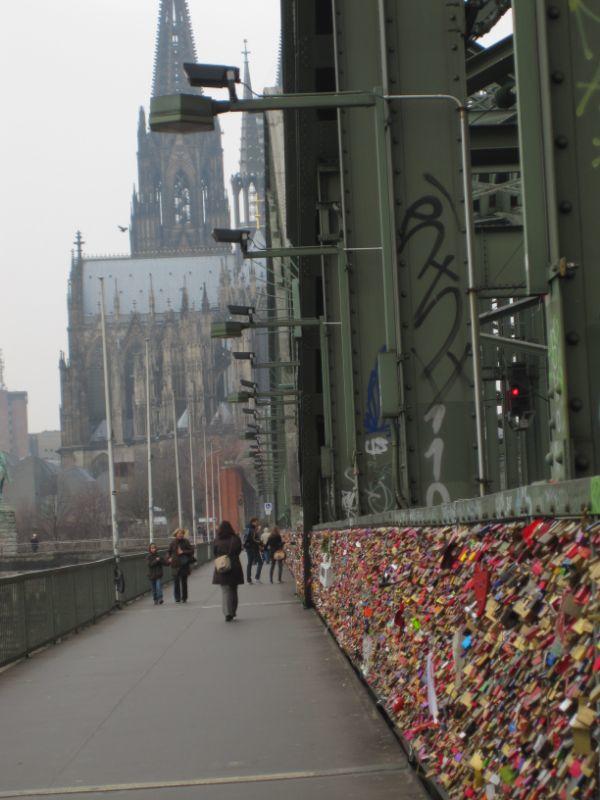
206	503
149	447
191	402
177	475
109	436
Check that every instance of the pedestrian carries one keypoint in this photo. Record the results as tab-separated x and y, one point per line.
252	548
275	545
35	542
228	572
155	573
264	538
181	554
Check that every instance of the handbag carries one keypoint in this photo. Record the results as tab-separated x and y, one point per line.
279	555
223	564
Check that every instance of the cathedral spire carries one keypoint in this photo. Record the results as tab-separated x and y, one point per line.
251	175
247	81
174	46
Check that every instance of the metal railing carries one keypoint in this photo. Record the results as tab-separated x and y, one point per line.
38	608
49	547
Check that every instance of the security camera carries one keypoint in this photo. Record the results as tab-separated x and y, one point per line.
211	76
241	311
239	236
250	411
248	384
241	356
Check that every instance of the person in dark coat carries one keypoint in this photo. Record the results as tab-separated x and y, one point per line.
252	546
180	558
227	543
275	545
155	573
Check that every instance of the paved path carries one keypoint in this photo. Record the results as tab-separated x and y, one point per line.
171	703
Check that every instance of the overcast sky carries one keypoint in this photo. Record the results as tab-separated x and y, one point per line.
73	74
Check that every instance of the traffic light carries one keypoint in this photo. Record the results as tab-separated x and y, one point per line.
518	395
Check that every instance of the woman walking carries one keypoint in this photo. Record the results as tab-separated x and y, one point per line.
181	553
228	572
275	545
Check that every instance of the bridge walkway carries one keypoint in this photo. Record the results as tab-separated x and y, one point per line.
171	703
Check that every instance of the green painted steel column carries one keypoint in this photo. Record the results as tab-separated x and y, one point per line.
431	238
557	49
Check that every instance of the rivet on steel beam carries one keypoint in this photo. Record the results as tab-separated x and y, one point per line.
403	294
572	337
566	207
558	76
561	142
575	404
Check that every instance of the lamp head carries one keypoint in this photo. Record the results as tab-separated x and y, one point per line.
181	113
227	330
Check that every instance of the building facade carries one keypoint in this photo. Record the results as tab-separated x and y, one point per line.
175	284
13	423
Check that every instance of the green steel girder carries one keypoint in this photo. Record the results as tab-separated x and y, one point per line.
557	51
493	65
565	499
430	229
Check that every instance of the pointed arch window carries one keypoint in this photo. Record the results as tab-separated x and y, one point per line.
253	210
204	201
182	200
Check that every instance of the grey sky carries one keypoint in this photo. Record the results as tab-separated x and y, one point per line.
73	74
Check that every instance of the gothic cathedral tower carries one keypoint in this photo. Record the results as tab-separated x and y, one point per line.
180	196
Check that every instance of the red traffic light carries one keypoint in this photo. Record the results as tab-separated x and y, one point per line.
515	391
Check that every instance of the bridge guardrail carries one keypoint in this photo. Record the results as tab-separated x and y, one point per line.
37	608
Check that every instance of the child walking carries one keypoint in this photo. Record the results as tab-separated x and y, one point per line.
155	573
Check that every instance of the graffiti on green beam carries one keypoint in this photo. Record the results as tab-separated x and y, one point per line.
596	160
590	89
442	297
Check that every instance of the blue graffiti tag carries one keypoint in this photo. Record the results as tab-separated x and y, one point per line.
372	419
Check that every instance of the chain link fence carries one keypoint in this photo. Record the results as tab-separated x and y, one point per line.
38	608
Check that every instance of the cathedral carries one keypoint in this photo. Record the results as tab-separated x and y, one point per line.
176	282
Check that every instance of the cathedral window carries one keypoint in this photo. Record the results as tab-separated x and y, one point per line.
253	211
182	201
204	201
